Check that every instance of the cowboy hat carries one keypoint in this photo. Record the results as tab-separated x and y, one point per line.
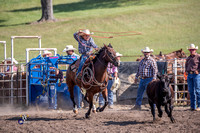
147	49
85	32
9	59
118	54
68	47
46	52
192	46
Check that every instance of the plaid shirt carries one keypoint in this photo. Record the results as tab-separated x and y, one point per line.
84	46
111	68
147	68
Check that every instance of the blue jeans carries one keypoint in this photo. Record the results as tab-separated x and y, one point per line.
193	81
110	94
77	96
83	59
142	87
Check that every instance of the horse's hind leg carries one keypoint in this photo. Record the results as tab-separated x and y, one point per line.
71	91
104	93
90	97
169	112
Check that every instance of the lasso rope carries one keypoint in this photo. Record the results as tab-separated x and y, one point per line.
119	34
91	78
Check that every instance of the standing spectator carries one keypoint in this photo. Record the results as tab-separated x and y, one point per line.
147	72
112	71
192	69
70	52
47	53
8	66
85	47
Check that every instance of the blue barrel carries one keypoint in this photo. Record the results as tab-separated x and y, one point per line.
52	96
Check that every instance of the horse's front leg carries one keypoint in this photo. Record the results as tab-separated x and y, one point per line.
90	98
105	95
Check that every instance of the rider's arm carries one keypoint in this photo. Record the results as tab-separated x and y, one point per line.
76	36
92	43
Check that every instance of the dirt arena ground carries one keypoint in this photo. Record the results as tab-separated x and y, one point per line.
120	119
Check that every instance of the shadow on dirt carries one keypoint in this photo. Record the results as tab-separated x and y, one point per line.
124	123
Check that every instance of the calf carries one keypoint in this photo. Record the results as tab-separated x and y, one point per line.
159	92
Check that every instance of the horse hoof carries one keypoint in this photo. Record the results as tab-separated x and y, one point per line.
87	116
75	111
94	111
98	109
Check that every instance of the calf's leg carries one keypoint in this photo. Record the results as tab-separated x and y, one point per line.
169	112
152	109
159	110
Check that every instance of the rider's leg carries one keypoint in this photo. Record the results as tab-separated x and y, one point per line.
83	59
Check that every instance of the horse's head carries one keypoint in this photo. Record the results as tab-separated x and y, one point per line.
180	54
110	55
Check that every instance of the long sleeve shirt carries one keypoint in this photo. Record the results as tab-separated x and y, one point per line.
84	46
192	63
147	68
111	68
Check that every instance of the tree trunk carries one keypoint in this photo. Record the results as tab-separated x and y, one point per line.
47	11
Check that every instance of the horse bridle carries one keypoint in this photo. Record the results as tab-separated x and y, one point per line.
112	58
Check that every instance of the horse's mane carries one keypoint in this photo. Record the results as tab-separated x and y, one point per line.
101	50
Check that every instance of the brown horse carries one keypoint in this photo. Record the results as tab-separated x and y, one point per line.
94	77
175	54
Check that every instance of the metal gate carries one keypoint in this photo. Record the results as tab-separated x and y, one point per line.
12	84
176	67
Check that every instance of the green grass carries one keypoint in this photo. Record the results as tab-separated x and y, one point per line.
166	25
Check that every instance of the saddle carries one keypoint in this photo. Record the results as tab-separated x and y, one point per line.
74	66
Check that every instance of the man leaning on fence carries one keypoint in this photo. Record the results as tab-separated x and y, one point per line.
147	72
192	69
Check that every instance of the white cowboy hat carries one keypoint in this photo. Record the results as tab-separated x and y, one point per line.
192	46
118	54
46	52
68	47
85	32
147	49
9	59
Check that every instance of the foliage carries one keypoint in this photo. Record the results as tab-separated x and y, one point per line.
166	25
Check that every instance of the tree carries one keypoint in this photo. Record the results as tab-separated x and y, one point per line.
47	11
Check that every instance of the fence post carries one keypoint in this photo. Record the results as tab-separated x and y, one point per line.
175	80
